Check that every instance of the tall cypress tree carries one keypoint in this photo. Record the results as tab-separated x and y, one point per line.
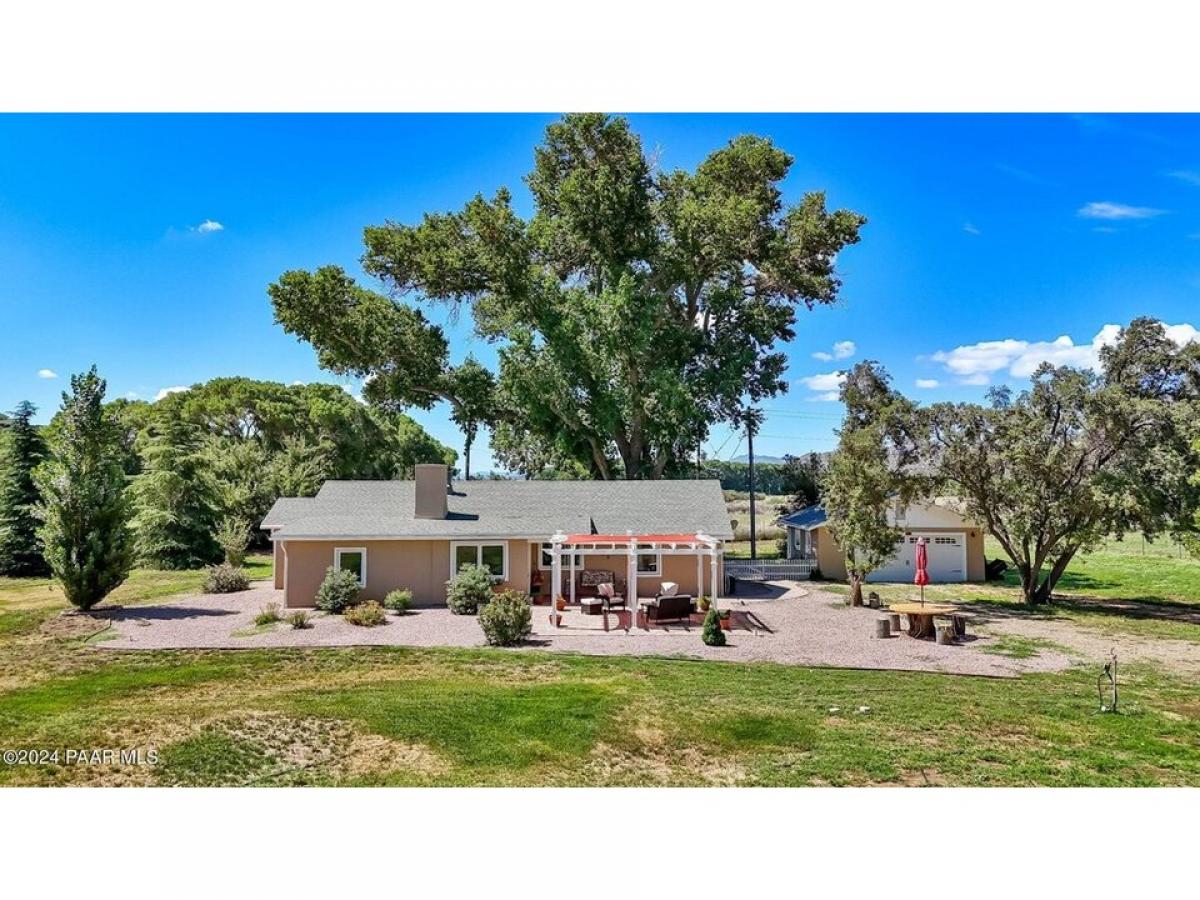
85	512
175	498
22	449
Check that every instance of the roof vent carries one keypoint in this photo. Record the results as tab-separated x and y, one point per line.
432	485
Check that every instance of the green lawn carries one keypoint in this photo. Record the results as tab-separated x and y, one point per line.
768	548
458	717
142	586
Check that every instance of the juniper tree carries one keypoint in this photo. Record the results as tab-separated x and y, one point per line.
175	499
1080	456
84	510
22	450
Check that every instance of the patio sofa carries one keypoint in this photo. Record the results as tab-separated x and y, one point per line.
674	608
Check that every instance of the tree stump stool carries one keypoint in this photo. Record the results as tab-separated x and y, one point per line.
883	628
895	620
873	600
960	625
945	634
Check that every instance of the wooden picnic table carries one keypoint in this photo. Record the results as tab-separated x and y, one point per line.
920	616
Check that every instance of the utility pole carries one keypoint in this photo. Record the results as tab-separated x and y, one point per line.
753	417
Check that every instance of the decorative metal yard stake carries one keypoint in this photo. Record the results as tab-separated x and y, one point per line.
1110	672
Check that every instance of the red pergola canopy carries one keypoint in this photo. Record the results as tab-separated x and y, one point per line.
632	539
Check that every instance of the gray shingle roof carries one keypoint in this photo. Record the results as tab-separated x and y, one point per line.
380	509
286	508
807	518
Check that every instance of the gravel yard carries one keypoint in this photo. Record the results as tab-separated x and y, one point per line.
799	627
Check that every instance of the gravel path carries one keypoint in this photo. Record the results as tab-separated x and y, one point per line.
798	628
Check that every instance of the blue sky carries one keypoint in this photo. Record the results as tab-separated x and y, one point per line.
989	239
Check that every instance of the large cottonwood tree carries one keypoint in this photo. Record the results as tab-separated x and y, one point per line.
633	310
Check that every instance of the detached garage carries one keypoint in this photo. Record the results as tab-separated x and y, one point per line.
953	543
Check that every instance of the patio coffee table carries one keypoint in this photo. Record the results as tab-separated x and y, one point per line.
920	616
591	606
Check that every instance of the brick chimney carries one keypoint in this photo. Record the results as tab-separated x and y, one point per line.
432	484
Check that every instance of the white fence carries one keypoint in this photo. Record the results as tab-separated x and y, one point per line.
770	569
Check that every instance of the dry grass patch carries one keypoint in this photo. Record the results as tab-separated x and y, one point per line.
374	754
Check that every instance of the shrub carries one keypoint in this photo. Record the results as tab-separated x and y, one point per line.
267	615
225	579
469	591
507	619
704	603
712	633
398	601
233	536
299	619
367	614
338	590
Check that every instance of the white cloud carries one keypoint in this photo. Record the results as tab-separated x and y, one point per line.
841	350
827	397
208	226
47	373
167	391
297	383
928	383
1105	209
1188	176
971	229
357	396
132	395
974	364
830	381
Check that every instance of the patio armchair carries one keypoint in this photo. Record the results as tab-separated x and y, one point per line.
608	593
674	608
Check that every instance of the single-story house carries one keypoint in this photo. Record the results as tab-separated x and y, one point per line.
416	534
954	544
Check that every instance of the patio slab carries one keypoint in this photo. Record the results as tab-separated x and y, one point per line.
801	627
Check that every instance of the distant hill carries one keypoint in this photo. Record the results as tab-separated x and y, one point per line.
765	460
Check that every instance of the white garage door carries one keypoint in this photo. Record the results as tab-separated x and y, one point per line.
946	552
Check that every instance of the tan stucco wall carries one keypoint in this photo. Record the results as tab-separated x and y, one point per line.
424	567
833	562
421	566
830	558
278	553
976	561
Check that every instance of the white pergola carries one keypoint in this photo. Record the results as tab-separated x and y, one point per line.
631	545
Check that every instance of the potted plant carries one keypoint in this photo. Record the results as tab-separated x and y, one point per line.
704	603
725	615
561	603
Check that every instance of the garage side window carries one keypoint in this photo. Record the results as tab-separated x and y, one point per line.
352	559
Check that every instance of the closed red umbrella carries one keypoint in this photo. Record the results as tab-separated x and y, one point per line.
922	576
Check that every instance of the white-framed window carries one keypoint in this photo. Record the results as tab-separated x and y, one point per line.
492	555
352	559
648	563
569	563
